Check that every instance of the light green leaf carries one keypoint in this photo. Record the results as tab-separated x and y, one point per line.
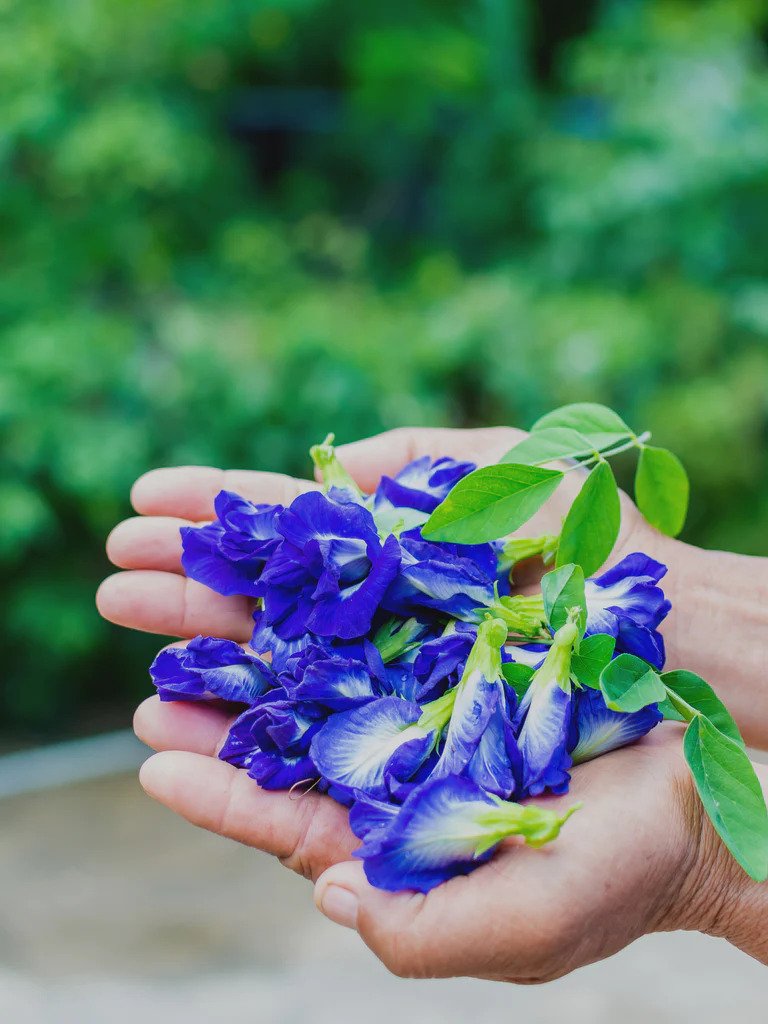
731	794
629	684
518	676
547	445
594	654
601	425
562	589
697	693
662	489
490	503
592	524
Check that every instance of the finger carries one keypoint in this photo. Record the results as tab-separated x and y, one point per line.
385	454
147	542
308	832
171	605
188	491
181	725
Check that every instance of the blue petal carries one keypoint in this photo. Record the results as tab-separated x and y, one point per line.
532	655
628	590
433	837
455	586
496	765
546	713
358	749
641	641
440	662
422	484
210	669
599	729
368	817
337	684
203	561
276	771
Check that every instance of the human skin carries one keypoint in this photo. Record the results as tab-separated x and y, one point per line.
638	857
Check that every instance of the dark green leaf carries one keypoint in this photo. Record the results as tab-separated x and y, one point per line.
562	589
594	654
592	524
548	445
518	676
490	503
661	489
629	684
731	794
601	425
702	698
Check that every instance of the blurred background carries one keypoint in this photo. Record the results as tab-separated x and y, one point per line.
229	226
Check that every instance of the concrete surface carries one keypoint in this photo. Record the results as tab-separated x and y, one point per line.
115	912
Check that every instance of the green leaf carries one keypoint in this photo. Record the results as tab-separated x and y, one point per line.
662	489
562	589
518	676
594	654
629	684
490	503
731	794
601	425
547	445
592	524
702	698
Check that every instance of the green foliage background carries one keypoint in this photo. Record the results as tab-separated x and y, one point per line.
229	226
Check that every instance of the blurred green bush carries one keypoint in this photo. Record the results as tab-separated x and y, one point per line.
230	226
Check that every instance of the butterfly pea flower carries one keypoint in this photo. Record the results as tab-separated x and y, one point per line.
448	827
544	719
372	747
368	816
330	572
626	602
272	740
479	740
440	663
422	484
211	669
229	554
335	682
599	729
450	578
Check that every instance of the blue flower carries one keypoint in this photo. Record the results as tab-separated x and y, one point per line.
330	572
598	729
445	828
368	816
627	603
229	554
422	484
333	681
210	669
451	578
272	740
266	642
479	741
370	747
440	663
544	719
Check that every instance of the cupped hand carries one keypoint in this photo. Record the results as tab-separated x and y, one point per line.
633	859
637	857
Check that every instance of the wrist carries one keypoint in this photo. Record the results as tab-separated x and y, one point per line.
719	898
718	626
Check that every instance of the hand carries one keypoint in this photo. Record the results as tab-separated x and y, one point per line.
310	833
638	857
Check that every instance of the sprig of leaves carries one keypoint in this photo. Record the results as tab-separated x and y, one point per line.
714	750
495	500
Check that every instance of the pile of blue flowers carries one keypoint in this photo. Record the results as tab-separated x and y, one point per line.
404	676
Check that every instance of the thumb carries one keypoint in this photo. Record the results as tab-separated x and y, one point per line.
455	929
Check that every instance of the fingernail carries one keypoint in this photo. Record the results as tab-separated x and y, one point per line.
340	905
